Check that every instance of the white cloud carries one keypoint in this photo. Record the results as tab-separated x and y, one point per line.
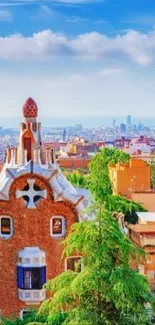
111	72
144	20
45	10
133	45
5	15
77	20
12	4
100	21
24	2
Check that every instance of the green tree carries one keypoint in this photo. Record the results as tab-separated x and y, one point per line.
117	203
78	179
101	188
99	175
28	318
107	291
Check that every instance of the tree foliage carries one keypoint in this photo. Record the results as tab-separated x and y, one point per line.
29	318
117	203
101	187
78	179
107	291
98	182
99	176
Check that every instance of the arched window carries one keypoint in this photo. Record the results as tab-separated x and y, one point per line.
6	227
57	226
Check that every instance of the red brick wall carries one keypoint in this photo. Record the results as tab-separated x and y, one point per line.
31	228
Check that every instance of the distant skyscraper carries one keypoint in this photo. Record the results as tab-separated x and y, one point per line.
79	127
64	135
113	123
128	120
122	127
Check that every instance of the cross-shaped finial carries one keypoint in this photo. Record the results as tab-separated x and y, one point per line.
31	193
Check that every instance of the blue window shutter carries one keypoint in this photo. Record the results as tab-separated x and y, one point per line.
20	277
43	275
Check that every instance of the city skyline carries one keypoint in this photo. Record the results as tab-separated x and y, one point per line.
80	58
92	122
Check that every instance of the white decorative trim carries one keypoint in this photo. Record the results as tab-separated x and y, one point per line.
35	296
62	189
6	236
21	312
31	257
31	193
63	227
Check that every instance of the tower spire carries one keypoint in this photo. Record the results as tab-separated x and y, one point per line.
30	110
30	135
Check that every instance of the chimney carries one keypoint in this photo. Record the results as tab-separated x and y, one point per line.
53	156
48	157
36	156
8	156
13	157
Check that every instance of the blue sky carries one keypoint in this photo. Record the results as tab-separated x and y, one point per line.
74	17
78	57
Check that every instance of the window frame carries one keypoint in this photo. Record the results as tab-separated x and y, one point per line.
63	232
26	311
6	236
28	282
72	257
21	277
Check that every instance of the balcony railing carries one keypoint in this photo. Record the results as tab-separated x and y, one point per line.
147	241
141	234
35	296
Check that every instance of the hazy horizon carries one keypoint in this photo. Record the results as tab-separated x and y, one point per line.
94	121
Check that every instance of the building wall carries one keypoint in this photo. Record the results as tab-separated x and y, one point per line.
141	237
74	163
31	229
146	199
127	178
148	269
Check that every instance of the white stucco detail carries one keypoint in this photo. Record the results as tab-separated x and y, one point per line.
31	256
61	187
31	193
32	296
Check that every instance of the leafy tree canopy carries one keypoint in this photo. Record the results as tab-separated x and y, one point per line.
78	179
28	318
99	175
117	203
107	291
98	182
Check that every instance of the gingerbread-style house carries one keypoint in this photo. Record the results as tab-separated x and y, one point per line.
37	207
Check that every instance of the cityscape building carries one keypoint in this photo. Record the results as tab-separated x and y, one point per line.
130	177
122	127
143	235
128	120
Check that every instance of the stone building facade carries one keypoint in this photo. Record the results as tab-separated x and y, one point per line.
37	207
127	178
